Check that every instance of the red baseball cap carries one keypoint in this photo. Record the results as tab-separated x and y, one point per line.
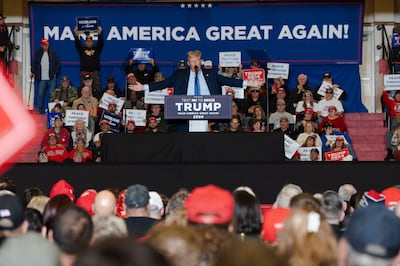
210	205
309	110
392	196
274	220
86	200
44	41
62	187
332	108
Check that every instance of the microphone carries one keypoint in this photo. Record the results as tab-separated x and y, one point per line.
196	68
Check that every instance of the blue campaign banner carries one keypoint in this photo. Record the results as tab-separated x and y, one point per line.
51	117
114	120
141	55
305	33
198	107
85	24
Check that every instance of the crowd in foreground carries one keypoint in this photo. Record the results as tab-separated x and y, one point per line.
203	227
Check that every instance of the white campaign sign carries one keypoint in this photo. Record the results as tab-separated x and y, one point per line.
72	115
291	147
391	82
230	59
278	70
238	93
155	97
107	98
139	116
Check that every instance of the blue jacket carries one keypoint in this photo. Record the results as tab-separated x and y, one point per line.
54	64
180	80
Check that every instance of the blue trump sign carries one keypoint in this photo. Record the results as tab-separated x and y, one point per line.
87	23
198	107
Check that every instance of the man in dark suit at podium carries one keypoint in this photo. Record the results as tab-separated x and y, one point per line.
195	80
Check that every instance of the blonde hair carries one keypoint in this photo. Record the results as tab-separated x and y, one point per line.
195	53
304	245
38	203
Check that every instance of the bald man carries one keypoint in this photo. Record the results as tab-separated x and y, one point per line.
104	203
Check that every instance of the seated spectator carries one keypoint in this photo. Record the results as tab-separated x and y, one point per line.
254	98
258	115
42	157
309	130
234	126
230	72
395	143
280	112
152	125
55	152
281	95
130	127
309	115
62	134
339	145
329	135
81	131
323	105
257	126
301	88
221	125
65	93
104	129
81	148
157	112
91	104
336	120
305	104
284	127
112	86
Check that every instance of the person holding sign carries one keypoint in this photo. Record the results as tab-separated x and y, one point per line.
65	93
195	80
141	72
89	55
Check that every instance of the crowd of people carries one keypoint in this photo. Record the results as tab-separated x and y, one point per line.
302	113
206	226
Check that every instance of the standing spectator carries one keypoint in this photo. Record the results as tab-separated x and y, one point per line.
137	210
141	72
46	65
12	218
62	134
89	56
4	40
66	93
332	207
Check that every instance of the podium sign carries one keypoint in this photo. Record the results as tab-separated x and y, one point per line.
198	107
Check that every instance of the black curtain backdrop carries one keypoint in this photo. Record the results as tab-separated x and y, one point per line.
266	179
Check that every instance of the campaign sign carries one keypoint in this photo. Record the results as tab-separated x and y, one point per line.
87	23
310	153
72	115
291	146
106	99
338	155
139	116
337	92
230	59
114	120
391	82
198	107
238	93
141	55
395	40
52	104
157	97
278	70
51	117
254	74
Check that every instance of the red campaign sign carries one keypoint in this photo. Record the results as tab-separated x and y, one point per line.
18	128
336	155
254	74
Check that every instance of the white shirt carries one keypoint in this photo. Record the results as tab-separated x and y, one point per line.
45	66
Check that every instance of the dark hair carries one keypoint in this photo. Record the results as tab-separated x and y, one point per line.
73	229
247	214
7	184
35	219
121	252
29	193
53	206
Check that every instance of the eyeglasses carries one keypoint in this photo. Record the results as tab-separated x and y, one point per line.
254	91
327	92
